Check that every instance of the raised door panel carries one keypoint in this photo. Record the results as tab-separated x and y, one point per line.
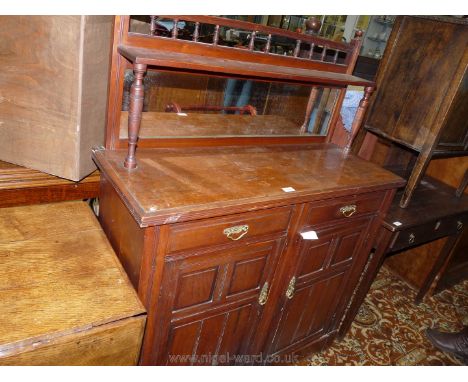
319	286
215	339
209	302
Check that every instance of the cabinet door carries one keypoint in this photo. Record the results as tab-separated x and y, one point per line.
318	289
211	302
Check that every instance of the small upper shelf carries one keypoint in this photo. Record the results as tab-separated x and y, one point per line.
204	64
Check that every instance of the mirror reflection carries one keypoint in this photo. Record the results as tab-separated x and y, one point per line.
184	105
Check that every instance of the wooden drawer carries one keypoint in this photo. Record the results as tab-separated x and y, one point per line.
226	230
427	232
344	208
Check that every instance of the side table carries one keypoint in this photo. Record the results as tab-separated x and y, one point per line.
435	212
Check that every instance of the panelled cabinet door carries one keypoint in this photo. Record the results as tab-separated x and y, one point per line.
316	292
212	301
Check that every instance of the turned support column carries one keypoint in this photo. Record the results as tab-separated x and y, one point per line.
310	106
137	95
358	118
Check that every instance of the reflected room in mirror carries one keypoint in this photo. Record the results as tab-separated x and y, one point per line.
186	105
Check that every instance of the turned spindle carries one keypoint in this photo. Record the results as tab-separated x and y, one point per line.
196	33
175	28
268	44
358	118
297	48
137	95
311	51
153	25
252	40
324	53
216	35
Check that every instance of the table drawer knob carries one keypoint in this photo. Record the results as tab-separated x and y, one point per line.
348	210
459	225
411	238
236	232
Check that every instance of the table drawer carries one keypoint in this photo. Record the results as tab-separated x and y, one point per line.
344	208
230	229
428	232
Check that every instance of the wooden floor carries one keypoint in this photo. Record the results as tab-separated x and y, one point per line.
389	329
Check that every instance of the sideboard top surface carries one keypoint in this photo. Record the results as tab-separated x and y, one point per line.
171	185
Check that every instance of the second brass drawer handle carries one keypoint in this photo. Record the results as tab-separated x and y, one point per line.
236	232
459	225
348	210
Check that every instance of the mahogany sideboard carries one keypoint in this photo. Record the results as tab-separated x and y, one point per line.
249	238
213	245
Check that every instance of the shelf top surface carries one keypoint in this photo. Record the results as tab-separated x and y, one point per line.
431	201
213	65
59	275
171	185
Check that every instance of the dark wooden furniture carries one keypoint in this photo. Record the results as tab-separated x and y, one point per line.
64	297
252	246
24	186
208	237
435	212
423	87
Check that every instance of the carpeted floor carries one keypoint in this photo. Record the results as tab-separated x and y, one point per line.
389	328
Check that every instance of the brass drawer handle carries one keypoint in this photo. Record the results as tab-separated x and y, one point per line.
263	297
411	238
348	210
291	288
459	225
236	232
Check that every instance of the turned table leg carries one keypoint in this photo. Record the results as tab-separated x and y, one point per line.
137	95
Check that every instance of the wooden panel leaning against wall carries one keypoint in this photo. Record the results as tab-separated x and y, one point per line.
53	91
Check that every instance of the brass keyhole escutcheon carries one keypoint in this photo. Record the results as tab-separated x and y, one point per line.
411	238
236	232
348	210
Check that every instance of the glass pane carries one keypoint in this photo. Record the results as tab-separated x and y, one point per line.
185	105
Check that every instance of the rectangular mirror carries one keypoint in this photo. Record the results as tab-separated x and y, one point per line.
184	105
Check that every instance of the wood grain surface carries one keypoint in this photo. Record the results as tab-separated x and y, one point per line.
171	185
24	186
59	275
192	62
53	90
160	125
